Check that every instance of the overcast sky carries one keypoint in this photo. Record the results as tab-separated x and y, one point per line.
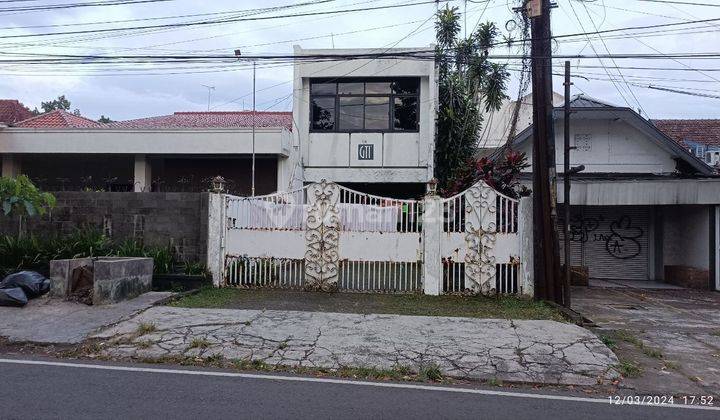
157	90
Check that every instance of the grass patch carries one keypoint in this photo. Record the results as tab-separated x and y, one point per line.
715	333
652	352
198	343
494	382
430	373
146	328
629	369
609	342
143	344
503	307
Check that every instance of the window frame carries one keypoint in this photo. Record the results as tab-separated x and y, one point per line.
391	103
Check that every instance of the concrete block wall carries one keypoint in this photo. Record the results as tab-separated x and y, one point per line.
178	219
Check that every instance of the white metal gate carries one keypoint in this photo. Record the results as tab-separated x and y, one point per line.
324	237
328	237
480	247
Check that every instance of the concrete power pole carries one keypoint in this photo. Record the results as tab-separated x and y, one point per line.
548	283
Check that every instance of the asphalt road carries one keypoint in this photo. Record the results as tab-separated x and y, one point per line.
40	389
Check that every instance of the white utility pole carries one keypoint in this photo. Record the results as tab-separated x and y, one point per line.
210	89
252	185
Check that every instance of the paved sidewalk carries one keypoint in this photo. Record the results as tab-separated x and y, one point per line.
673	335
522	351
56	321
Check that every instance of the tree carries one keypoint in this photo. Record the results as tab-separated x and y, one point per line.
19	196
60	103
468	82
105	120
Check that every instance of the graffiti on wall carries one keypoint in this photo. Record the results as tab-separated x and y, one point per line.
622	242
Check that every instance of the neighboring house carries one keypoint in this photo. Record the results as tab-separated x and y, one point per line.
179	152
700	137
497	124
644	208
368	123
12	111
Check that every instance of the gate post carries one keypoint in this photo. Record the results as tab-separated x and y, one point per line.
432	220
525	236
216	237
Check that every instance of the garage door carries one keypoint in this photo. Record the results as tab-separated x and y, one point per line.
612	241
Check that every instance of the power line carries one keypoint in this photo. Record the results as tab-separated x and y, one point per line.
683	3
76	5
216	21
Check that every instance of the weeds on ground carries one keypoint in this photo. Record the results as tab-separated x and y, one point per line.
629	369
146	328
199	343
503	307
430	373
608	341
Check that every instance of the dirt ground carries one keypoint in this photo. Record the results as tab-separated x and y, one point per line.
668	341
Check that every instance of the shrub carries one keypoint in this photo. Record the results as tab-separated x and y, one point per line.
19	196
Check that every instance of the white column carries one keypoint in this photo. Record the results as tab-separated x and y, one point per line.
525	234
432	233
216	237
10	166
143	174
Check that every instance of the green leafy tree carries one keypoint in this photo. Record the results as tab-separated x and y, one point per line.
105	120
60	103
19	196
468	82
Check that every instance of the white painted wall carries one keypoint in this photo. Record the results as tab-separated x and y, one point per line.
159	141
496	124
613	147
333	156
686	232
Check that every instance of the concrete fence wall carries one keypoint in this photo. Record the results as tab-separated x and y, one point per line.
177	219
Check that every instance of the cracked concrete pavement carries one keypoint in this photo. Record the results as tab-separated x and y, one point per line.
56	321
683	325
535	351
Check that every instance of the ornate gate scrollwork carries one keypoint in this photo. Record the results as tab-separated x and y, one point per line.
321	237
480	228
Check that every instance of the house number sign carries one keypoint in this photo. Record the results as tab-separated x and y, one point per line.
366	151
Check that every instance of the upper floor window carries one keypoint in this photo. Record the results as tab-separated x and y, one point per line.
351	105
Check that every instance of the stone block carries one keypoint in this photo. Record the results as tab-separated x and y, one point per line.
118	279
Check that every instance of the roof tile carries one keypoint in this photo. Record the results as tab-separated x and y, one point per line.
12	111
700	131
228	119
59	118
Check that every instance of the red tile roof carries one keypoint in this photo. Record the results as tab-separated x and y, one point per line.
12	111
228	119
700	131
59	119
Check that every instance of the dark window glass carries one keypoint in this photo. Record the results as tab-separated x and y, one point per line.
405	86
377	113
405	111
351	88
351	113
372	104
322	88
323	113
374	88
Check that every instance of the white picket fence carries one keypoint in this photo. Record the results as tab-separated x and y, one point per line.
328	237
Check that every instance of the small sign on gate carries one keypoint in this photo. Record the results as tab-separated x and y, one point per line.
366	151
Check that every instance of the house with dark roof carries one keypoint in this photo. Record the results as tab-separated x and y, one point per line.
644	209
700	137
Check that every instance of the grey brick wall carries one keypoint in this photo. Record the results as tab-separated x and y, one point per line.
177	219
